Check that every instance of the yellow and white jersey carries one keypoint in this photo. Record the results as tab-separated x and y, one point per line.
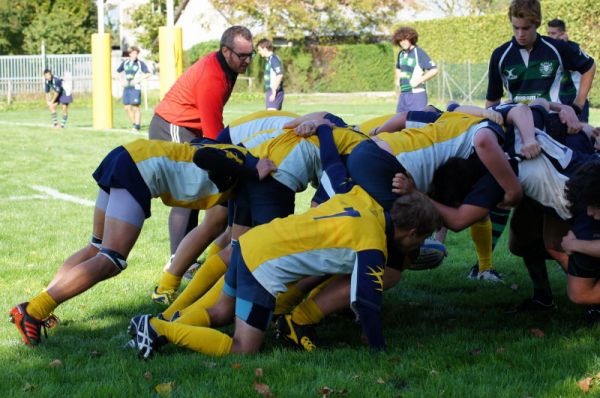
168	170
422	150
328	239
368	125
250	130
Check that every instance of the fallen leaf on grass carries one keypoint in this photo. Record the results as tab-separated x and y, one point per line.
500	350
55	363
380	381
258	372
210	364
28	387
236	365
514	287
475	351
325	391
148	375
164	388
263	389
537	332
95	354
585	384
394	360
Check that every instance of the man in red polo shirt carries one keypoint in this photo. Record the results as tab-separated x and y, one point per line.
193	107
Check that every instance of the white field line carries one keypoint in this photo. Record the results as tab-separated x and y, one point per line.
142	134
54	194
27	197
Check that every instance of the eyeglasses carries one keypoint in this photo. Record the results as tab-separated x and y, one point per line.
242	57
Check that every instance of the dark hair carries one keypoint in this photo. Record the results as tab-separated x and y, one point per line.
557	23
583	188
415	210
47	71
405	33
526	9
265	43
232	32
453	180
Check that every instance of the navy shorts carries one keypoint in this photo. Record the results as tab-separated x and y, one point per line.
118	170
373	169
253	303
411	102
65	99
259	202
278	103
132	96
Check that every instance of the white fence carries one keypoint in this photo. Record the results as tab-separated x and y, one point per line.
23	74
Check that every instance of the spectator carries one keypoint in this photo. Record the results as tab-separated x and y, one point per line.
133	71
273	75
56	94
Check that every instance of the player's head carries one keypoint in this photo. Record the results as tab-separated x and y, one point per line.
582	189
556	28
134	51
47	74
525	17
414	218
453	181
264	47
405	37
237	48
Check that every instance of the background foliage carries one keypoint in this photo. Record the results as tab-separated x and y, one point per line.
451	41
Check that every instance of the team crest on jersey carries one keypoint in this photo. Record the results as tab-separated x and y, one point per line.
546	69
510	74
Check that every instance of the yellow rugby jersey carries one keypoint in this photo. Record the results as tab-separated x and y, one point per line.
345	139
251	128
422	150
168	170
324	240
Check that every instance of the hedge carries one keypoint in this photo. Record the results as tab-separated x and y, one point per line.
455	40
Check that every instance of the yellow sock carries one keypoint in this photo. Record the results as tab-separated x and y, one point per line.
307	313
194	315
168	282
201	339
288	300
41	306
213	249
481	233
206	276
320	287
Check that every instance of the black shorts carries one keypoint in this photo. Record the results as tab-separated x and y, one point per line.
162	130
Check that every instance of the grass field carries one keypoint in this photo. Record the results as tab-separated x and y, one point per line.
447	336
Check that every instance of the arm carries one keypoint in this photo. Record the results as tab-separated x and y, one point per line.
588	247
309	116
396	123
567	116
366	295
459	218
494	89
210	95
585	85
490	114
521	117
494	159
426	76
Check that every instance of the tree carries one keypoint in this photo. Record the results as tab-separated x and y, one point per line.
320	18
15	16
65	26
462	7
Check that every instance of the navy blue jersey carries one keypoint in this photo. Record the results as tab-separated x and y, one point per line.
273	68
55	84
527	75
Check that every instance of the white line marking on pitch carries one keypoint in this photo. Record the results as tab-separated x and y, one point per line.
28	197
74	128
54	194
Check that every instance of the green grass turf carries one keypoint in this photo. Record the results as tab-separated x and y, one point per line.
447	336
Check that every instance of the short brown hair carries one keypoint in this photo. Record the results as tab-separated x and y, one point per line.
405	33
232	32
134	48
416	211
526	9
265	43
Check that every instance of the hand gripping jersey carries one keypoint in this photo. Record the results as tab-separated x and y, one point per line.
422	150
168	170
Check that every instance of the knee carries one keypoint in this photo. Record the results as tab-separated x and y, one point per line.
241	346
577	297
221	314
